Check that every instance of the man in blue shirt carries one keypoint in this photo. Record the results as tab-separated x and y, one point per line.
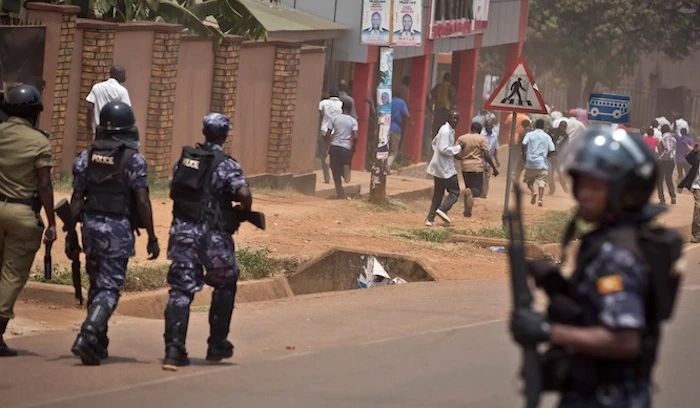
399	113
537	146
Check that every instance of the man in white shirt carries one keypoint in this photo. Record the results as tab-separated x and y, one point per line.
105	92
679	124
442	168
537	147
657	132
329	108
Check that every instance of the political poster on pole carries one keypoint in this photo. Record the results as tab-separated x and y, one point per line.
384	95
408	23
376	22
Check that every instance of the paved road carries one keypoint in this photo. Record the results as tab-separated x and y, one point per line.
424	345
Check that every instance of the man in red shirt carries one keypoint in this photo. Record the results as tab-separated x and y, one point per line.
650	140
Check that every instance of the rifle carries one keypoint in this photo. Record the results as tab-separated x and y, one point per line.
63	211
522	299
47	261
239	216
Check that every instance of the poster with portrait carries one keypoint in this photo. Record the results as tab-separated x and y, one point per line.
386	67
408	23
376	22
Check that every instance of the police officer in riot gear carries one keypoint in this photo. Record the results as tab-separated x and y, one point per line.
110	197
205	183
603	323
25	187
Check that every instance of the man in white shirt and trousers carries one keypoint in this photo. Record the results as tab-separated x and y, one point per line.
105	92
442	168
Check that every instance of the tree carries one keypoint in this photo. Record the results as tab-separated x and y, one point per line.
215	18
601	41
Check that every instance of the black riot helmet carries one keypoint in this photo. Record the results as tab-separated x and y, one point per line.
116	117
117	122
23	101
618	158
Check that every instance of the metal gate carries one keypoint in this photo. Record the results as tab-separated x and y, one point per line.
22	55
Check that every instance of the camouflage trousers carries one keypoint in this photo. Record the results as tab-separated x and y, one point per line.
106	280
633	394
193	248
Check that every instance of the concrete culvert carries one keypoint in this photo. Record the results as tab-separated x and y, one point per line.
339	269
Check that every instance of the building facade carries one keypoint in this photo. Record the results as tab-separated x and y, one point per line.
348	59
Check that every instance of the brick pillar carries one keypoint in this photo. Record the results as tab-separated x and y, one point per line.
98	55
420	85
225	82
161	99
284	96
60	100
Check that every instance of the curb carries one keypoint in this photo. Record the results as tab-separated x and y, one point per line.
532	250
151	304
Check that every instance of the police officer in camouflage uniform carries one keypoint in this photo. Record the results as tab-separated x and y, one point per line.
25	187
110	193
205	183
604	323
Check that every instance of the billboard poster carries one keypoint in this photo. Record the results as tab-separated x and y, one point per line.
386	66
407	23
457	18
376	22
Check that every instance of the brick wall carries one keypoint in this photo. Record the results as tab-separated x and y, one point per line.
98	55
225	81
161	100
60	101
284	95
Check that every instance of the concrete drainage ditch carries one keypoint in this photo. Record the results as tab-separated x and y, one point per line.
336	270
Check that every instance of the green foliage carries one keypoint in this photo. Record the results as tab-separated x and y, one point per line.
139	277
436	235
547	229
208	18
255	263
603	40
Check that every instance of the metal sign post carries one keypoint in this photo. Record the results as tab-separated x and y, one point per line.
517	92
509	175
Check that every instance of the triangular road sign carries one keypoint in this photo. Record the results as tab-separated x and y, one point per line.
517	92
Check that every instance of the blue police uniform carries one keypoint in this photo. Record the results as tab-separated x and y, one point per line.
611	288
205	182
108	241
195	246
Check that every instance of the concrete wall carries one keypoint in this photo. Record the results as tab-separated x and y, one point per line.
170	79
133	49
194	78
250	135
69	141
306	110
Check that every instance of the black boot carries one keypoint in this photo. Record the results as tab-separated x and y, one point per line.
86	346
5	350
176	321
219	323
102	344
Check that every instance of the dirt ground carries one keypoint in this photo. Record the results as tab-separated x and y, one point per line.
304	227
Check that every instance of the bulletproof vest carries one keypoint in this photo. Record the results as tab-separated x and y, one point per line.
193	197
107	189
660	249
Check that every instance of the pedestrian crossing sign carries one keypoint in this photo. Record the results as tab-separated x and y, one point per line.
517	92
